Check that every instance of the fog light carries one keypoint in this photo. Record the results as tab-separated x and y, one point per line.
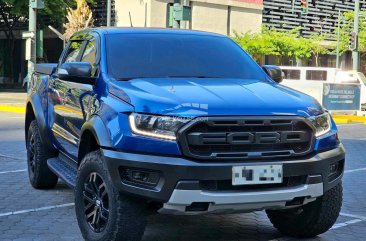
140	176
143	177
333	169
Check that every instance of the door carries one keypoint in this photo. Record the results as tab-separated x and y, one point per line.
78	97
69	100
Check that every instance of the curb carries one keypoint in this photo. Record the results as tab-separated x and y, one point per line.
13	109
342	121
346	119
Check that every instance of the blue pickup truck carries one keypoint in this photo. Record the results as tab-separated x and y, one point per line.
178	122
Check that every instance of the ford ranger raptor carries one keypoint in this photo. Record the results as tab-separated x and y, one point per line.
179	122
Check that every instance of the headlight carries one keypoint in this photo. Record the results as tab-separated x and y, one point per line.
163	127
322	124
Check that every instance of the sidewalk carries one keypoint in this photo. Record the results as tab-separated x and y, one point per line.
15	102
12	102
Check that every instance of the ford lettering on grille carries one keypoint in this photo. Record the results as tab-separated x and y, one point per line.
221	138
241	138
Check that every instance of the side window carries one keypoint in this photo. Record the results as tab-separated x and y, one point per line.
291	74
90	55
73	52
319	75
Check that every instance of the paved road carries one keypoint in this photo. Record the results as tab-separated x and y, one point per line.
12	98
28	214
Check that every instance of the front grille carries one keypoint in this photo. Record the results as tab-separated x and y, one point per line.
246	138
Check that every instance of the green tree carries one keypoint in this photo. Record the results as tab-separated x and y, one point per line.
15	12
78	19
281	43
347	28
302	49
11	13
284	42
317	46
256	44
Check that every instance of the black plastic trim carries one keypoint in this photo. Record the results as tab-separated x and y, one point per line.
188	185
65	168
177	169
314	179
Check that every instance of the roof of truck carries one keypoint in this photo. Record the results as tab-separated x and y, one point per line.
124	30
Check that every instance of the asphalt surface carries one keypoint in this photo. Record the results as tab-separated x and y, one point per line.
29	214
12	99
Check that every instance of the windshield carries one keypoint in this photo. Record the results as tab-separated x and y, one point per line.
177	55
362	77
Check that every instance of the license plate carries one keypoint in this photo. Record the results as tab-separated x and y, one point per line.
252	175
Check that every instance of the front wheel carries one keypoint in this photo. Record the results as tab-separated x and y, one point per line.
311	219
102	212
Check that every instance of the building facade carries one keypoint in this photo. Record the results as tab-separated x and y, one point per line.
322	18
220	16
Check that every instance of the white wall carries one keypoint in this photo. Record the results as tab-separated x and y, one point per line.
209	17
220	16
159	11
245	20
137	10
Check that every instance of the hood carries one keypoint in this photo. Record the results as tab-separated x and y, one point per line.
194	97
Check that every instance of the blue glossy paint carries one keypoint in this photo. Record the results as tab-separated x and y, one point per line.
329	140
220	97
38	102
105	110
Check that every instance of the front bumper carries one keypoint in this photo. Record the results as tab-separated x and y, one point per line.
180	181
231	202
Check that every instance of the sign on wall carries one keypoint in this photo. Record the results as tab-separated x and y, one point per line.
341	96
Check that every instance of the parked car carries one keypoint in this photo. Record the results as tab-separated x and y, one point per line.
179	122
310	80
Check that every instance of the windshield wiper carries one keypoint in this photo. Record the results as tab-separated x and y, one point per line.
129	78
193	76
170	76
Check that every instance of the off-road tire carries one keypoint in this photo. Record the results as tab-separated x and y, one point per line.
40	176
126	216
311	219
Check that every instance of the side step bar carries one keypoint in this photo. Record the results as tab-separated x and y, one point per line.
64	168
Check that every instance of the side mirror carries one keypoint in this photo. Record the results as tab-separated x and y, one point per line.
274	72
78	72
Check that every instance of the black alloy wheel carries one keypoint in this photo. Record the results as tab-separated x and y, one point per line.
96	202
103	212
31	154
